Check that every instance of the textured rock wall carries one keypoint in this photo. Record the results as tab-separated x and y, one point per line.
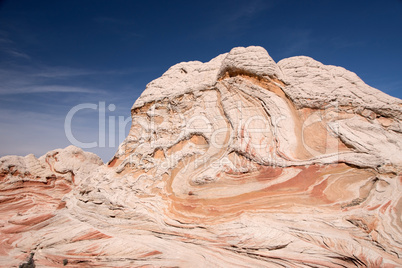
235	162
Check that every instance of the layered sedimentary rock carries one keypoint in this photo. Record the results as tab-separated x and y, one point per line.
239	161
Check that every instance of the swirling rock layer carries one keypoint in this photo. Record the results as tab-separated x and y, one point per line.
239	161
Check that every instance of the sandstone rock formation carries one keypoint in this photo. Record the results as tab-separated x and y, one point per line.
237	162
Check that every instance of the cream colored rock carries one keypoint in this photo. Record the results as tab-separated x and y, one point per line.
313	84
31	195
237	162
252	61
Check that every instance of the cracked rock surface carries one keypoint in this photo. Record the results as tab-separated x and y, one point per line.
236	162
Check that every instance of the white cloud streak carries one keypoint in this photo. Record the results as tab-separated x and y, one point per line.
8	47
48	88
28	79
18	54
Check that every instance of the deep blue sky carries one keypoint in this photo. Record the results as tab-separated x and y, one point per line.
58	54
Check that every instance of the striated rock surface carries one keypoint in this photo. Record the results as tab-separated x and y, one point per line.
237	162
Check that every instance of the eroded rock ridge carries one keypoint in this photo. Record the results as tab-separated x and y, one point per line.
236	162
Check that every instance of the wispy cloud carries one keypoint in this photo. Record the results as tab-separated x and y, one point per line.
47	89
61	72
246	10
35	124
30	79
234	18
18	54
4	40
8	47
23	132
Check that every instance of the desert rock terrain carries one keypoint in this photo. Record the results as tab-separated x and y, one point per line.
236	162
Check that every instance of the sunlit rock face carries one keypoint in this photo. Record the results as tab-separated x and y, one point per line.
239	161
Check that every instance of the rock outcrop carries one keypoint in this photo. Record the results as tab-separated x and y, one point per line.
239	161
